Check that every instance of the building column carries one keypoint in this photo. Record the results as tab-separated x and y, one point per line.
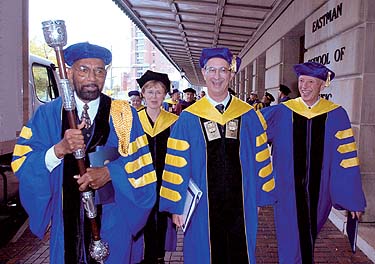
258	75
346	46
280	59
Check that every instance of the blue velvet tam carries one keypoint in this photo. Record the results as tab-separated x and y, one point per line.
85	50
223	53
136	93
156	76
314	69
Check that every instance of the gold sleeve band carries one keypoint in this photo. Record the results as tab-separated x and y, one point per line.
177	144
261	139
172	177
146	179
344	133
175	161
265	171
26	133
21	150
269	185
16	164
169	194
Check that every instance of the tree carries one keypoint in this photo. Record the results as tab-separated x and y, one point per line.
41	49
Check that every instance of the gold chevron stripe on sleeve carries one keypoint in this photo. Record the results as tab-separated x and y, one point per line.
172	177
345	148
177	144
262	155
265	171
261	139
135	165
169	194
175	161
16	164
262	120
344	133
139	142
269	185
348	163
26	133
21	150
146	179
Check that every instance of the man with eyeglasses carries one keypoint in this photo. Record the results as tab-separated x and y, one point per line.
220	144
47	170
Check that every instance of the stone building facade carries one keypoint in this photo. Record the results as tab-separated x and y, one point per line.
339	34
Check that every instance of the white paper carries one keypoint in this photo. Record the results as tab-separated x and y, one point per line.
192	198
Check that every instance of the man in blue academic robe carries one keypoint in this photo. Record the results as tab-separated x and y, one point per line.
315	163
47	170
220	144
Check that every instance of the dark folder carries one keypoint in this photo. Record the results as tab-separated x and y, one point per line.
105	194
352	230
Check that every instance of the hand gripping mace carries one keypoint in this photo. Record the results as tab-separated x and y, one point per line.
54	32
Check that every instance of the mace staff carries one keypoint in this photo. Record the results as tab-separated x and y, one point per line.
54	32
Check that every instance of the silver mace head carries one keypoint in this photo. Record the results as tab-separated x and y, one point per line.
99	250
54	32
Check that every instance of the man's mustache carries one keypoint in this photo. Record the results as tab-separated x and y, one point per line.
90	85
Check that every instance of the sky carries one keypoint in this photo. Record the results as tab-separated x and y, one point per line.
99	22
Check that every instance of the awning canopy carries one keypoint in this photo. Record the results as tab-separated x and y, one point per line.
182	28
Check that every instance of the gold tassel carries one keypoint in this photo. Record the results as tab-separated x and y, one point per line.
328	81
233	65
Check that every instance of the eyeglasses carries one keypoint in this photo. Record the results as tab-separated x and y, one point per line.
223	71
84	71
150	93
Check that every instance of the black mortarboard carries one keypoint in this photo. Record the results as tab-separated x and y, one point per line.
174	91
134	92
231	91
189	90
269	96
157	76
284	89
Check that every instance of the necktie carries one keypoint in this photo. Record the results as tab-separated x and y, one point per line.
220	108
85	116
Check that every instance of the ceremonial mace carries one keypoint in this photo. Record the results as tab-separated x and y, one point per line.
54	32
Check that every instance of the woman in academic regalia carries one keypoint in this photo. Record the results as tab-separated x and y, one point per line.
159	233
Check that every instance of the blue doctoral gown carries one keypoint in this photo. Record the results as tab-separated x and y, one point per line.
315	156
133	179
187	158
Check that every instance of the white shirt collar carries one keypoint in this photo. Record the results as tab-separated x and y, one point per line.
214	103
310	107
93	107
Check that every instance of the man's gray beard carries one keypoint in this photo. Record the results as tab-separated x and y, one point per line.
88	95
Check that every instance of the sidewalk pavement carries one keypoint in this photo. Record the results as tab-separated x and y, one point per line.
332	246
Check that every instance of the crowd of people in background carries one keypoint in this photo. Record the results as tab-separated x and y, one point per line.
216	141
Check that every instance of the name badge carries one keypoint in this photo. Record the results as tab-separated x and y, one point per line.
231	129
212	130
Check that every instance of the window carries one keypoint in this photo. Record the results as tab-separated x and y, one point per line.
139	44
45	86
